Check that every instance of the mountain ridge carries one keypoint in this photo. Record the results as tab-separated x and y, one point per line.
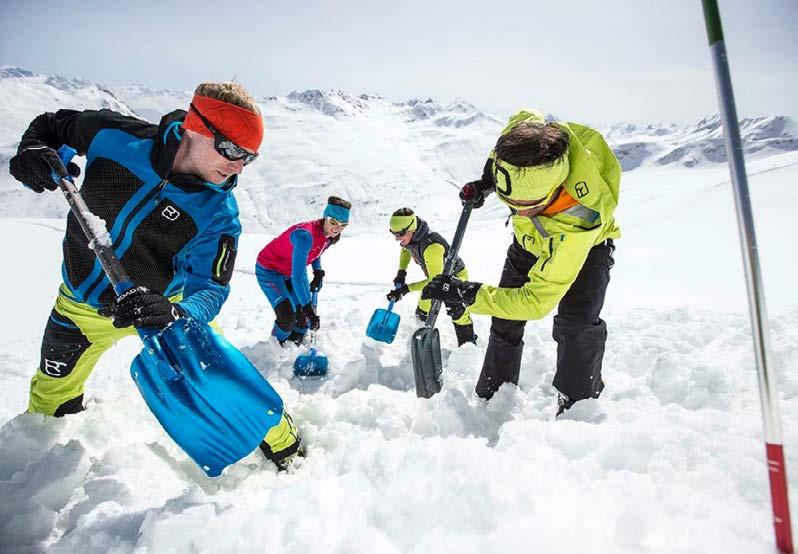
379	153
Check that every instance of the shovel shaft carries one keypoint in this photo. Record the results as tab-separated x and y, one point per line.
448	266
105	254
391	303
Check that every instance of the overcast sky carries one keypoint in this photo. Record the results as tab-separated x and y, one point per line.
585	60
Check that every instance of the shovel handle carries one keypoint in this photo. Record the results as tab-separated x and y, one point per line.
391	303
105	254
451	258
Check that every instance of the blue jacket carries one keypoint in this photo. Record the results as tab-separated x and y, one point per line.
174	234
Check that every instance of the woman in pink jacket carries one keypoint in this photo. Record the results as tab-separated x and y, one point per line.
281	270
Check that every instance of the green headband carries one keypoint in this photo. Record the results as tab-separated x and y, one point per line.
527	183
403	223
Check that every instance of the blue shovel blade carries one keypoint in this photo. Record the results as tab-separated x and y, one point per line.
312	364
205	393
383	325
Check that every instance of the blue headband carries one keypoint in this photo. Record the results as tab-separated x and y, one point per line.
337	212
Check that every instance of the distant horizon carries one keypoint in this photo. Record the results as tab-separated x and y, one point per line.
423	98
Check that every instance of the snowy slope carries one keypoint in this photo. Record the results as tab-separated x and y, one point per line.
669	460
379	154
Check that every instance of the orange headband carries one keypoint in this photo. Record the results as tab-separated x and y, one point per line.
243	127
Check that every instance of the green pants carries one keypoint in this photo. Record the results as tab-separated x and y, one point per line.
74	339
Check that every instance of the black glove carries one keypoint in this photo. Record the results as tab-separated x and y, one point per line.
401	275
318	279
421	315
310	314
451	290
33	168
455	311
475	192
141	307
396	294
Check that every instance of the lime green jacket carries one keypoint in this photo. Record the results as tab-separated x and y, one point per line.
560	242
428	249
433	258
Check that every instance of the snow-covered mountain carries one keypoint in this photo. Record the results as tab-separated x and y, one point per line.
380	154
699	143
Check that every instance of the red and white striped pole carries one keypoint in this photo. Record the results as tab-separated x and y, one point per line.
756	295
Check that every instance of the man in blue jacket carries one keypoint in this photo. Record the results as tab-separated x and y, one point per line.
165	194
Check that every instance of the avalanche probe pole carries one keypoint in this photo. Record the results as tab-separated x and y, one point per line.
756	295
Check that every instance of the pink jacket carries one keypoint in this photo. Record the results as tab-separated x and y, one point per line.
277	254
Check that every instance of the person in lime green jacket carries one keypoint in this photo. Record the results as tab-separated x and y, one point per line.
561	182
428	249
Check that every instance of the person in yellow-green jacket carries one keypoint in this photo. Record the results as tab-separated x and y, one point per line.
561	182
428	249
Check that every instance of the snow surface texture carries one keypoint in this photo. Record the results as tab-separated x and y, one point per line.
669	459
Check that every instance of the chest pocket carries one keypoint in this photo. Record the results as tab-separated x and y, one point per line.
156	241
225	260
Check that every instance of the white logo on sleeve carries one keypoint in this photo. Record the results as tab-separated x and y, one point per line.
170	213
53	368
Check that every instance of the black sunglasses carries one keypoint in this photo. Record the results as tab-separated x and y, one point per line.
224	146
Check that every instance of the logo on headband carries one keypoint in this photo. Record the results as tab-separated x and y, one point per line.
508	191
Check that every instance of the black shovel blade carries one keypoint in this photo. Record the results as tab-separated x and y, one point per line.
425	348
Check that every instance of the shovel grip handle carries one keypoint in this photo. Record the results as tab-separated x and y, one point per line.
391	303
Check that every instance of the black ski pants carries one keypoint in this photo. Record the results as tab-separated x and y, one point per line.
579	331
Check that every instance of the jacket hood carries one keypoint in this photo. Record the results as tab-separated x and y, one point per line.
422	230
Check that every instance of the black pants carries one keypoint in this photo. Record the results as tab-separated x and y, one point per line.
579	331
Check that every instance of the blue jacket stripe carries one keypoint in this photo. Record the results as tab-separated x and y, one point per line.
108	143
122	231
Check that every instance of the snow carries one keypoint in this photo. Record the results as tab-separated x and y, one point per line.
98	229
669	459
